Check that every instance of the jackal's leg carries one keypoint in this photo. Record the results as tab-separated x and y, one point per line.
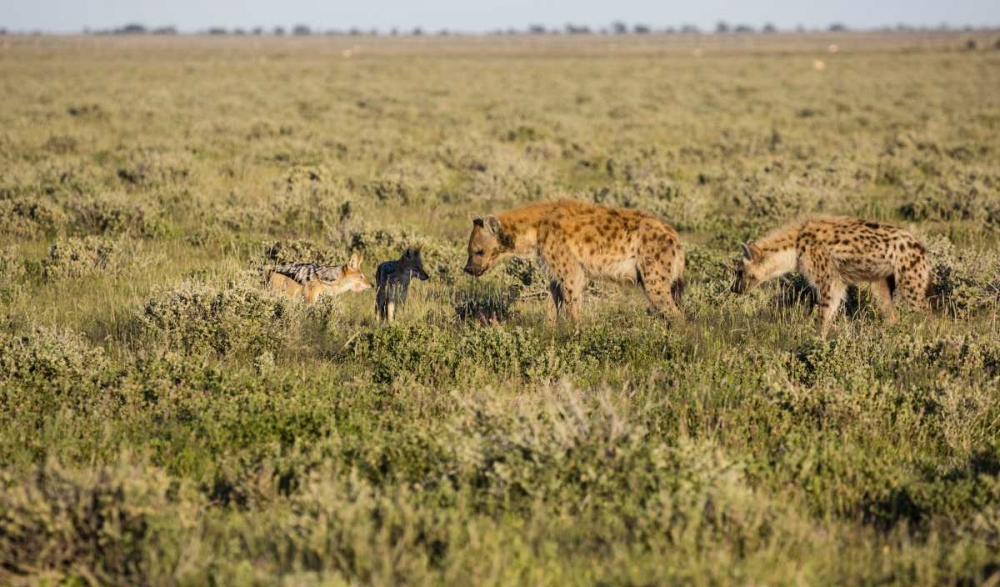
882	294
390	308
312	290
380	308
831	296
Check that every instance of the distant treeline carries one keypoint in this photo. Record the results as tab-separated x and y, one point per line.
615	28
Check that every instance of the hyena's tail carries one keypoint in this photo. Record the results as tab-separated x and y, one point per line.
677	290
677	285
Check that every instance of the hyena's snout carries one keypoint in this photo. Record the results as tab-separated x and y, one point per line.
741	283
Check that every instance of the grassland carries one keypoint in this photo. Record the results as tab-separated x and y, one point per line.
164	420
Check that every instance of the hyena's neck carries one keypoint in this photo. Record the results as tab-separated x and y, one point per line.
519	232
779	253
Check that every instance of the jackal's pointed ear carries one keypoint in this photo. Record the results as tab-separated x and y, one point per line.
355	261
477	221
493	224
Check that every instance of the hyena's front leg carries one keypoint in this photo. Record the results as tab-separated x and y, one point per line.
831	296
566	275
913	284
882	294
572	289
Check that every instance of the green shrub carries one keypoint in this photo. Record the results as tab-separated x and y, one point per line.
77	257
94	526
195	318
964	283
30	217
115	215
51	358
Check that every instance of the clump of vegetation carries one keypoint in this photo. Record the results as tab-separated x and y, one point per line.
52	359
113	215
78	257
965	284
91	525
196	318
23	216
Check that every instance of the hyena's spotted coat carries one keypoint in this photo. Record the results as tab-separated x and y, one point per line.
833	253
576	240
310	280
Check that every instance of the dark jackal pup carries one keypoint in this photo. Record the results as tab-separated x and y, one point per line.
832	253
392	282
312	280
576	241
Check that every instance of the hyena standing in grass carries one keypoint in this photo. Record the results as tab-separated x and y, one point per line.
833	253
392	282
310	280
575	241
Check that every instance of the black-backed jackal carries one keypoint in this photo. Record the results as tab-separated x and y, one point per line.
311	280
392	282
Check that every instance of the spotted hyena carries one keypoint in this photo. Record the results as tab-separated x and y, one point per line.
392	282
833	253
576	241
310	280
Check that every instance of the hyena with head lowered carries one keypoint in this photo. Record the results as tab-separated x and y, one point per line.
575	241
310	280
392	282
833	253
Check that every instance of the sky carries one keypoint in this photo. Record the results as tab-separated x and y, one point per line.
67	16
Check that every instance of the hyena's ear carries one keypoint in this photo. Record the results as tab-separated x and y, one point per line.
355	262
751	252
493	224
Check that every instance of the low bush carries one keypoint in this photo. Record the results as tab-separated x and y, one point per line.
195	318
77	257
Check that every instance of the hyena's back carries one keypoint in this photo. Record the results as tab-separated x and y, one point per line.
853	251
619	244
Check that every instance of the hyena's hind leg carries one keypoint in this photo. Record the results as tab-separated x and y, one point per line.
660	274
882	290
660	291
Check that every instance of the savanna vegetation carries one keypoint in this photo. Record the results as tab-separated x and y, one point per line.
165	420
